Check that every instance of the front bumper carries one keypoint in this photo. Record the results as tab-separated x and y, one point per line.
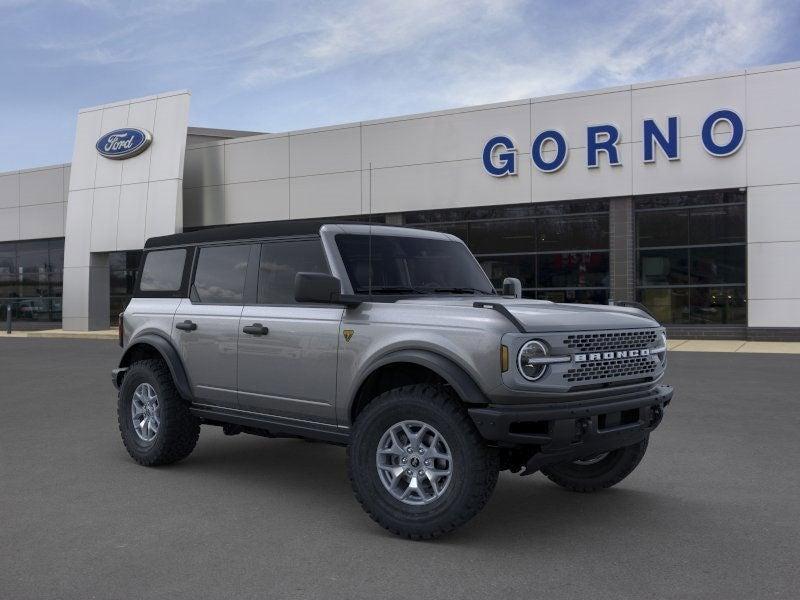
568	431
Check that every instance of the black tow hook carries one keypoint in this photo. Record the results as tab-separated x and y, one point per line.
581	427
656	414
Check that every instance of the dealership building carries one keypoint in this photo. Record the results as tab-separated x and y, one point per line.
683	195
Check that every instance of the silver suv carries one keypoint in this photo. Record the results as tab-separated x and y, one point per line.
390	341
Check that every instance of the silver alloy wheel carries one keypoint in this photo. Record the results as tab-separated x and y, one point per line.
145	412
414	462
590	460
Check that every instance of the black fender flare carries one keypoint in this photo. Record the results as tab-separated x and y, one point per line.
461	382
168	353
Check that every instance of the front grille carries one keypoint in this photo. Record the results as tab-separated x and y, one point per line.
616	368
612	340
612	368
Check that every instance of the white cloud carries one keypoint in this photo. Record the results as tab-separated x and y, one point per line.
325	39
469	51
374	58
674	40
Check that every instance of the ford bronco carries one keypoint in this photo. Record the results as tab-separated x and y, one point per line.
392	342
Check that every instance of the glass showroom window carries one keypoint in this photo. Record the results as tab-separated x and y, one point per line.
31	277
122	267
559	251
691	257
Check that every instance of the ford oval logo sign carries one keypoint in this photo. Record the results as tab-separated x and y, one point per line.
123	143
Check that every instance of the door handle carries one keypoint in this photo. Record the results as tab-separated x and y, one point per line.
255	329
186	326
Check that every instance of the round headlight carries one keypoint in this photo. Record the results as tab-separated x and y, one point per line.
526	360
662	342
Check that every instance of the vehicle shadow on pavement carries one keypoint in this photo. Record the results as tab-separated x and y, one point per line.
530	508
535	509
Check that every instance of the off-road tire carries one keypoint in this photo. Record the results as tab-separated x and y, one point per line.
475	465
179	429
595	477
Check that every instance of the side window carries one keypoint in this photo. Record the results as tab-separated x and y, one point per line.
163	271
281	261
220	274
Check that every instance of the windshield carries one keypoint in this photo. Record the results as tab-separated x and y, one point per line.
410	265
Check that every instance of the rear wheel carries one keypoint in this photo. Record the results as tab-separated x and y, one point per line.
597	472
156	425
417	464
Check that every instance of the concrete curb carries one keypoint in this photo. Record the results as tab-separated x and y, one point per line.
106	334
733	346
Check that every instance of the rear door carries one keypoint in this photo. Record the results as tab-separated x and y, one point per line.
206	325
288	351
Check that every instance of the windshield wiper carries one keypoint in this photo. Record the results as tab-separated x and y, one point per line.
389	289
461	290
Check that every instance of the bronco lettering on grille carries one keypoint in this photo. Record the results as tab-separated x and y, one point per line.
611	355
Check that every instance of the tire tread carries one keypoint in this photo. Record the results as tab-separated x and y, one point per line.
183	428
485	464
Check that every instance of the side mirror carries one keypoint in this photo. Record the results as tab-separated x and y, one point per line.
512	287
320	288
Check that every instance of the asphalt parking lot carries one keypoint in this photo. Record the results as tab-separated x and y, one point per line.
712	512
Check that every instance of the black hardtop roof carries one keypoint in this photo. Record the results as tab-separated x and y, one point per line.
243	231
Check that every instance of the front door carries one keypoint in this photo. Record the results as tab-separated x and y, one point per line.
287	351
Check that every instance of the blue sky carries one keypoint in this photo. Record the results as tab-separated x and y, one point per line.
276	66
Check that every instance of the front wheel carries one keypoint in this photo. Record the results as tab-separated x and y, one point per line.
597	472
417	464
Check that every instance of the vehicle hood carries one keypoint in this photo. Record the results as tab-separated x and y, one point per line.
544	316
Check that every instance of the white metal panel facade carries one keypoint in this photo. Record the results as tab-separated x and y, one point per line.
117	204
427	161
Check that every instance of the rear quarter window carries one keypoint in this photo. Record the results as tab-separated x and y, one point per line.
163	270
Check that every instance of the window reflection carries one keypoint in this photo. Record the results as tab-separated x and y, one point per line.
122	270
718	305
558	250
495	237
573	269
500	267
688	246
566	233
720	264
31	274
664	267
568	296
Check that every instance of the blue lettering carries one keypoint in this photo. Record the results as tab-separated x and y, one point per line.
737	126
602	138
500	152
507	158
561	151
652	135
